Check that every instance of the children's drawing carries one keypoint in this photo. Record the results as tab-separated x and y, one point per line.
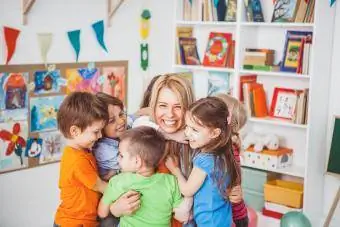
46	82
12	144
13	96
115	82
82	79
33	148
218	82
44	113
53	144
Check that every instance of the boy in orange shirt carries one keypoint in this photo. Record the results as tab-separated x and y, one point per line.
81	118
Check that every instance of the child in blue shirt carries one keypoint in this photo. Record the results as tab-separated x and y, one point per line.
214	168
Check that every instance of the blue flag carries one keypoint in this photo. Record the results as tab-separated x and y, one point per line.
74	36
331	2
98	28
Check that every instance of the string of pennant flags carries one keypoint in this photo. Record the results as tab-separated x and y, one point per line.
45	40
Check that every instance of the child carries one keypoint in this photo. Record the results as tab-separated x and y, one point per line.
214	168
238	120
140	151
106	148
81	119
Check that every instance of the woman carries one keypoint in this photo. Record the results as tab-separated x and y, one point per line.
170	98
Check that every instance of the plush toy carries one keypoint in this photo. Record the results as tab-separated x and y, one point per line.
259	141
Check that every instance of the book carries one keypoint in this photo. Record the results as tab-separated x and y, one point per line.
285	11
188	51
259	100
182	32
218	82
301	11
249	78
217	49
292	49
257	11
231	11
249	10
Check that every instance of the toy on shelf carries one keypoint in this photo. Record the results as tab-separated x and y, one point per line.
264	152
269	141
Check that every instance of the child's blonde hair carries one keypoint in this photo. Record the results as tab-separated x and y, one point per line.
237	111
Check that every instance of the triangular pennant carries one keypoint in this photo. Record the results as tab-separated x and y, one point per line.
331	2
98	28
74	37
11	36
45	41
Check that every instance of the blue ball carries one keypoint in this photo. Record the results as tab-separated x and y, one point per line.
295	219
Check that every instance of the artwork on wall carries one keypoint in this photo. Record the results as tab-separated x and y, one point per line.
30	96
46	82
12	145
43	112
82	79
114	82
13	96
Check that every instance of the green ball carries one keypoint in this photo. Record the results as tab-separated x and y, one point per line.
295	219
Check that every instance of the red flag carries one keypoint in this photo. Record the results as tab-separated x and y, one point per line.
11	36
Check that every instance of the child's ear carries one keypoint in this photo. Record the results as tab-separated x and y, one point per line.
216	132
139	162
74	131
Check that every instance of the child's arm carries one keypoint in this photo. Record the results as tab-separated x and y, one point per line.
103	209
187	187
235	195
100	186
182	212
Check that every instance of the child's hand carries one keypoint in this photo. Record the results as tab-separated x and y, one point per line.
172	164
146	111
235	195
178	136
127	204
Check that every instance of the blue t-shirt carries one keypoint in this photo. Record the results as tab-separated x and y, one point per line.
210	208
106	152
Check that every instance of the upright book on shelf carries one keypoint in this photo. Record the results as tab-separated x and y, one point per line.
218	48
285	10
188	51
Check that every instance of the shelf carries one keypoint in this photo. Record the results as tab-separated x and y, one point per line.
279	122
204	68
264	221
206	23
295	171
276	24
276	74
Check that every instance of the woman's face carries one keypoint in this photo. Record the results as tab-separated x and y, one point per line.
168	112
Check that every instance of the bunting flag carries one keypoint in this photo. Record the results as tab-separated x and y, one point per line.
98	28
74	37
45	41
11	36
331	2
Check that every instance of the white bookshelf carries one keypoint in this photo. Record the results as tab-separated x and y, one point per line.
295	171
307	141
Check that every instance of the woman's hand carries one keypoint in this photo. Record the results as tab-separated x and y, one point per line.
172	164
235	195
127	204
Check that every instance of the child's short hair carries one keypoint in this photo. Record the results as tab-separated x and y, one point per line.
109	100
146	142
80	109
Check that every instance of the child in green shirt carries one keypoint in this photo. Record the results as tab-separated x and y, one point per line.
140	151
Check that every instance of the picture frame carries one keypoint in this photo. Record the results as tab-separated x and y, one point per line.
283	103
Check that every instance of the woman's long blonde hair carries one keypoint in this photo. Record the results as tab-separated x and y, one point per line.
183	90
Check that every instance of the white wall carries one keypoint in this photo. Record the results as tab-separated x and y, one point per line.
331	183
30	197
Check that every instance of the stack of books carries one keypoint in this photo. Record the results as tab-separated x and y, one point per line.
258	59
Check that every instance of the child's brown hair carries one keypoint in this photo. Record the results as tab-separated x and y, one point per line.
212	112
80	109
146	142
109	100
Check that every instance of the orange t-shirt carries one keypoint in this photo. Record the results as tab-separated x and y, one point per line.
78	175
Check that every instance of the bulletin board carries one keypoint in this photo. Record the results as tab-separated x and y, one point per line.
30	96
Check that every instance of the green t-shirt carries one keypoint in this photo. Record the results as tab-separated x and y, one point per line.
159	195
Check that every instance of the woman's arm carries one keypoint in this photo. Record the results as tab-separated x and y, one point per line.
127	204
188	187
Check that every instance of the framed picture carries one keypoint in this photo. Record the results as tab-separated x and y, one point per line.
284	103
292	55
